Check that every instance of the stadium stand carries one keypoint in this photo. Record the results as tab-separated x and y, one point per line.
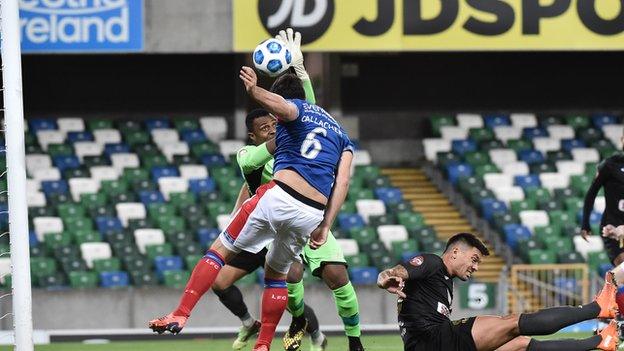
527	177
118	203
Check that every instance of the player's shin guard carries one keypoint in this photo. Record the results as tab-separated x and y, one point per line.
568	345
348	309
295	298
232	298
550	320
274	301
204	274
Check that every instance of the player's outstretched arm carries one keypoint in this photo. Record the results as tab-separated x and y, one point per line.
393	280
588	205
338	195
250	158
273	103
293	42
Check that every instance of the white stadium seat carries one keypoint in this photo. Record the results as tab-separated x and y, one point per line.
162	136
391	233
613	132
88	148
453	132
501	157
79	186
174	148
47	137
508	194
497	180
600	204
130	210
32	186
469	120
506	133
51	173
552	181
95	251
215	127
523	120
230	147
570	167
101	173
534	218
107	136
169	185
545	144
361	158
36	199
349	247
516	168
125	160
222	221
367	208
47	225
70	124
561	132
434	145
594	244
5	268
584	155
144	237
193	172
37	161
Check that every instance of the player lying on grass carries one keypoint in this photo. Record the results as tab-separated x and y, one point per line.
424	285
311	177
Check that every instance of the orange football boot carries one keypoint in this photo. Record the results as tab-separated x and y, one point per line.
171	323
610	337
606	298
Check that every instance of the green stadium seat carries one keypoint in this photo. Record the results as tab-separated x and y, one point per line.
542	257
526	245
518	145
92	161
54	240
42	266
437	122
376	221
146	150
595	259
93	200
48	211
36	251
170	224
363	236
143	185
159	210
395	208
360	194
480	134
181	236
570	257
477	158
348	207
71	210
188	248
401	247
201	149
589	135
383	261
218	208
481	170
435	247
368	171
563	194
82	280
488	145
81	172
58	198
74	224
136	137
114	187
60	150
537	194
180	200
468	184
423	234
73	265
52	280
518	206
139	223
196	222
580	183
153	251
96	123
577	122
123	249
411	220
378	182
550	205
130	175
136	262
180	160
191	261
558	244
447	158
176	279
66	252
123	197
184	124
549	231
106	265
86	236
539	168
359	260
141	278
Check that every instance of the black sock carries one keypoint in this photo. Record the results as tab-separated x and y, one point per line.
551	320
355	343
568	344
313	324
232	298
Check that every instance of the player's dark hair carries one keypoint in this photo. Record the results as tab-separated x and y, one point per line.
288	86
468	239
251	117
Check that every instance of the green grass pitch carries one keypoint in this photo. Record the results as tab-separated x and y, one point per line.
371	343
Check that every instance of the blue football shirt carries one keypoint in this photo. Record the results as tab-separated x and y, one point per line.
311	145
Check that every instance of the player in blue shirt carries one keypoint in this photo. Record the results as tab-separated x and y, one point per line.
313	157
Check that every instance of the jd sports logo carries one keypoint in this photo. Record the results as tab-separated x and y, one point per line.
309	17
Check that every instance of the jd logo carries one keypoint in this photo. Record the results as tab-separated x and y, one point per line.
309	17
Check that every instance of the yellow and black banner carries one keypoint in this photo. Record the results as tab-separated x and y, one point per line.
414	25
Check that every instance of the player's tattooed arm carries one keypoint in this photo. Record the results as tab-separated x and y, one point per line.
275	104
393	280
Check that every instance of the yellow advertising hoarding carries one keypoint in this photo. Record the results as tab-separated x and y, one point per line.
423	25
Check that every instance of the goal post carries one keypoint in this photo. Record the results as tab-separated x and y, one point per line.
16	174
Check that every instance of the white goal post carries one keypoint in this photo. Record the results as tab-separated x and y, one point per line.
16	174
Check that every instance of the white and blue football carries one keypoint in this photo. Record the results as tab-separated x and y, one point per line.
271	57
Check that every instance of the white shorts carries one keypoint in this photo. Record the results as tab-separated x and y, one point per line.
272	216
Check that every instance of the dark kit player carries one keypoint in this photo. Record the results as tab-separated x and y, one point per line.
425	289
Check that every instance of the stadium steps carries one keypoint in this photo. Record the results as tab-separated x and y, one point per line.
439	213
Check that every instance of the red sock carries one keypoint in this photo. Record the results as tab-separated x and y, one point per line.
619	299
274	301
204	274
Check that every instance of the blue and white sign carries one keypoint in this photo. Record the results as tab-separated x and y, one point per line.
81	25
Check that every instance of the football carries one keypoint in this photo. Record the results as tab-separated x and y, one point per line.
271	57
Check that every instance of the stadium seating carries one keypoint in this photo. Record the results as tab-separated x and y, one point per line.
530	187
119	203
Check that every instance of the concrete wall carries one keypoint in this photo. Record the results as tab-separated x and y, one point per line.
188	26
132	308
